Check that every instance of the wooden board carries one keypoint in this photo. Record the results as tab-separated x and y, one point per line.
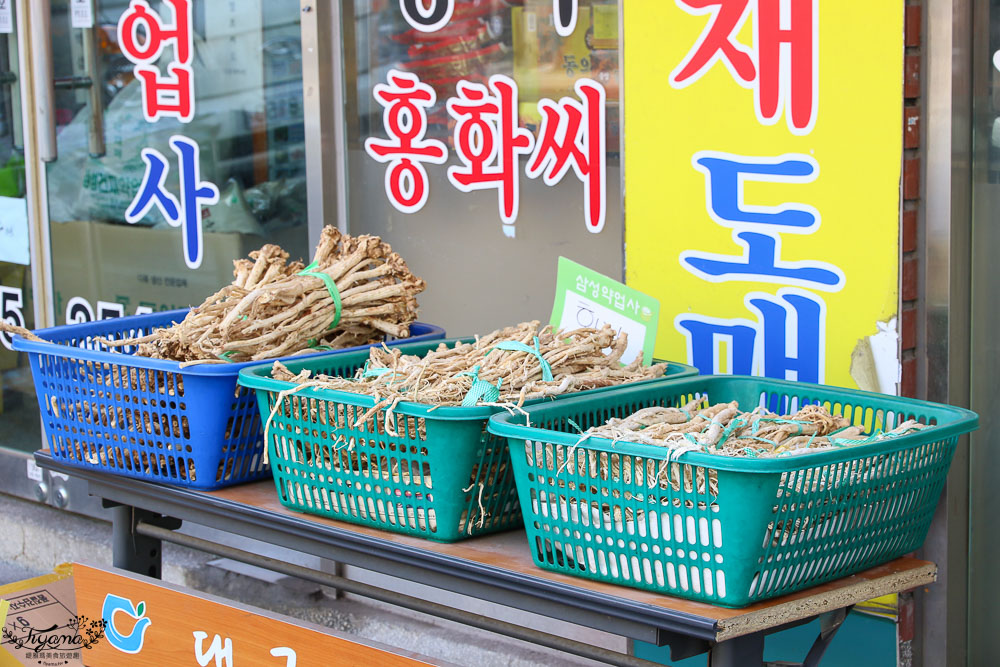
152	623
510	551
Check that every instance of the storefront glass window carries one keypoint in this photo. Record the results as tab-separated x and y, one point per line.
228	84
457	116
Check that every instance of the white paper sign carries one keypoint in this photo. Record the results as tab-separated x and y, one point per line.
6	16
580	311
224	18
81	14
586	298
14	230
34	472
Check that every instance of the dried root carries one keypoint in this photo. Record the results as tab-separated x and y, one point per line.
271	309
724	430
446	376
20	331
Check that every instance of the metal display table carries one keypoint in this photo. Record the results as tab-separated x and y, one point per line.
497	568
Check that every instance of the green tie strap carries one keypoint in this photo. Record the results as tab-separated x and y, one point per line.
374	372
480	389
331	287
517	346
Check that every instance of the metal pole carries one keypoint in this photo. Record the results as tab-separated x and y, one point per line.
95	129
44	86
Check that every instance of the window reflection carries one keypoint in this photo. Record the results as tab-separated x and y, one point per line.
247	124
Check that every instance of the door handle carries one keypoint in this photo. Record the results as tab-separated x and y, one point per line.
95	131
72	82
43	82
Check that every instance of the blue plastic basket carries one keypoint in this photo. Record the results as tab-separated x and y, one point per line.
150	418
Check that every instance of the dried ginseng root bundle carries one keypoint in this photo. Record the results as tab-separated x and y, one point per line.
508	366
355	291
725	430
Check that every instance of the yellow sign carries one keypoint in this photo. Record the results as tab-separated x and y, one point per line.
762	164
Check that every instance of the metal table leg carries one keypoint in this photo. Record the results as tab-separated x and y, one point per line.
132	551
829	624
745	651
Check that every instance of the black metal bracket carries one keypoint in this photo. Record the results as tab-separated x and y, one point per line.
682	646
132	551
830	623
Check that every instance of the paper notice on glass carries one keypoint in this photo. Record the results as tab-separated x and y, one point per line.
224	18
42	626
81	14
6	17
14	229
585	298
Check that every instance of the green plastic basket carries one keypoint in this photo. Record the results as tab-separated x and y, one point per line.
728	531
441	477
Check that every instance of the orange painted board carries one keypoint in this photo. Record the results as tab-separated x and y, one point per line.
153	623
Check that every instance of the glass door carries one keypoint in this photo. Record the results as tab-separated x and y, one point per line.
179	148
19	424
166	139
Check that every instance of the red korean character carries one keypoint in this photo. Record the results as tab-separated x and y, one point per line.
792	88
573	134
489	142
406	100
171	95
163	95
157	34
716	42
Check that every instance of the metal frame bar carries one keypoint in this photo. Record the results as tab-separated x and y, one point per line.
157	533
982	320
322	92
138	534
941	614
580	606
35	181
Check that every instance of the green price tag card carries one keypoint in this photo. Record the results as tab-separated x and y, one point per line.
585	298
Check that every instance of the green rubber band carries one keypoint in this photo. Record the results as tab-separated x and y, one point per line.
837	442
331	287
770	442
518	346
574	425
686	413
733	425
312	343
225	356
776	420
